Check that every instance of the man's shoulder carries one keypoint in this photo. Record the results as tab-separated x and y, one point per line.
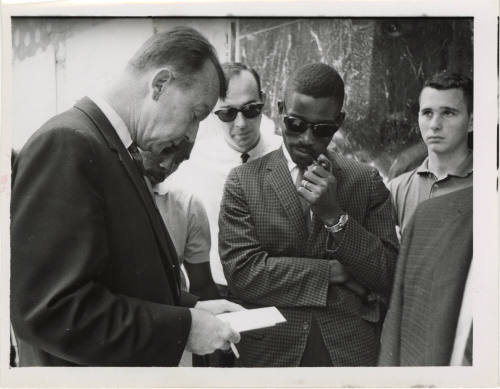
70	128
403	181
177	192
352	168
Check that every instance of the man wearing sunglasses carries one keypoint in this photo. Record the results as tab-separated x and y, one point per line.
239	140
310	232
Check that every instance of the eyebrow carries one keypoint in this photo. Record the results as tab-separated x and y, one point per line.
307	121
444	107
248	102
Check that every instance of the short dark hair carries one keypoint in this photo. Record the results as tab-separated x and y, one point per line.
182	47
444	80
232	69
316	80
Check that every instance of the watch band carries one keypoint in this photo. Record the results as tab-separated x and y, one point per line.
340	224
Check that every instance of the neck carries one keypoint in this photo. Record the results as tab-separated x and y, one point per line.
122	98
442	164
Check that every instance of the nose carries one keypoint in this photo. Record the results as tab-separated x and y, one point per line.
239	120
307	137
435	123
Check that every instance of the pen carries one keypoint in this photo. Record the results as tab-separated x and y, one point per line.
235	350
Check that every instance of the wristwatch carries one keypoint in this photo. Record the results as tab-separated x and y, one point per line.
340	224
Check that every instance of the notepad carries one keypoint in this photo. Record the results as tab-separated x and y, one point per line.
252	319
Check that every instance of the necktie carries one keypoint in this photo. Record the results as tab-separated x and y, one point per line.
137	157
306	207
244	157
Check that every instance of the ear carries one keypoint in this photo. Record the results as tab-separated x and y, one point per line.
471	121
280	106
159	82
340	119
263	96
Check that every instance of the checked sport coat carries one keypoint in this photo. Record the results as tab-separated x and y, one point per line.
270	259
436	253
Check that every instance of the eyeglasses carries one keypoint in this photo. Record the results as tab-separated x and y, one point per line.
298	126
250	111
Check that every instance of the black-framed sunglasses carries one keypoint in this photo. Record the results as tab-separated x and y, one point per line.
250	111
298	126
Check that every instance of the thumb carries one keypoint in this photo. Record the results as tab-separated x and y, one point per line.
229	306
232	335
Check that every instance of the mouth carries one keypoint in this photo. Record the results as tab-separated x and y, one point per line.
304	151
241	134
434	138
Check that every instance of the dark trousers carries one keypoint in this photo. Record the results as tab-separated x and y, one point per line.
315	353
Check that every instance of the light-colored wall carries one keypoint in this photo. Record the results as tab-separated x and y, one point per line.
58	61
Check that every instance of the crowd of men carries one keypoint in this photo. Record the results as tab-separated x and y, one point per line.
128	238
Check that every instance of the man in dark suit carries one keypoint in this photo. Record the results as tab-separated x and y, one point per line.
309	251
94	274
433	266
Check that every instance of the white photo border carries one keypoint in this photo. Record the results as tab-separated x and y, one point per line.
486	321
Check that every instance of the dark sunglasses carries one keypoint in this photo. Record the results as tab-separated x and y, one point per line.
298	126
250	111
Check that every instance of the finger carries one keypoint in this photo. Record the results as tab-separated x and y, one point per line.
307	185
226	346
229	334
229	306
318	170
234	337
313	190
315	179
324	162
306	193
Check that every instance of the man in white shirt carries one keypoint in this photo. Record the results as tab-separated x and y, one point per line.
239	139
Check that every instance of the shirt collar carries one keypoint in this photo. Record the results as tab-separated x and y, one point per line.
462	170
255	151
115	120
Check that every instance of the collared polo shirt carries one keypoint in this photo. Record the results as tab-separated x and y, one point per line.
411	188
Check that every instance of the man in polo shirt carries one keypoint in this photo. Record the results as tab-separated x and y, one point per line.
445	121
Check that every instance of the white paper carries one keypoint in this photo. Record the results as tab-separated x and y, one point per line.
252	319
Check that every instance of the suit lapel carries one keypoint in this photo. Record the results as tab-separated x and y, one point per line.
280	180
169	257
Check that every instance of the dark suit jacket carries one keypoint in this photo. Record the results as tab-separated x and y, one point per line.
436	252
95	278
269	258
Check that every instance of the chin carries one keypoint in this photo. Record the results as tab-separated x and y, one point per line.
302	161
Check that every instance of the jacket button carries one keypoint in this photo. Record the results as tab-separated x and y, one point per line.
305	326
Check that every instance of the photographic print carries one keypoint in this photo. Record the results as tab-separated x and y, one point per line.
166	170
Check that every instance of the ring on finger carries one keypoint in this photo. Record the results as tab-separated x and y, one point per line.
305	184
